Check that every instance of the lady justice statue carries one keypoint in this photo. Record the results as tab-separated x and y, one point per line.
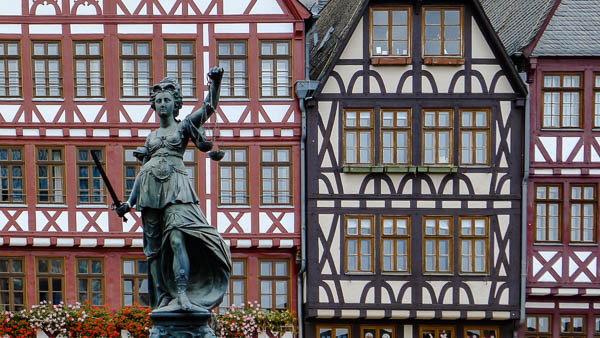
189	263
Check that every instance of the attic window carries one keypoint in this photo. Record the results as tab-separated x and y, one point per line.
390	32
443	31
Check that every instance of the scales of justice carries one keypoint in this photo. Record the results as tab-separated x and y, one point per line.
189	264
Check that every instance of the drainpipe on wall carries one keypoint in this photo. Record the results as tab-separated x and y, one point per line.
303	89
524	204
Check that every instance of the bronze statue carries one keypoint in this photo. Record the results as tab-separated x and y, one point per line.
189	263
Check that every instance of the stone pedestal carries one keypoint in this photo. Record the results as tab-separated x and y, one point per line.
181	325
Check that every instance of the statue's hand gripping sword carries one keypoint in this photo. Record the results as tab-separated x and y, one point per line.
111	191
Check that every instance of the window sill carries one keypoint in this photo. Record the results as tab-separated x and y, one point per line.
583	244
444	61
92	206
474	274
398	169
274	206
434	169
134	99
233	207
89	99
59	206
278	99
433	273
11	99
400	60
53	99
359	273
563	129
548	243
13	205
234	99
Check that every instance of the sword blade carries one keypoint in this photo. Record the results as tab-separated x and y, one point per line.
111	191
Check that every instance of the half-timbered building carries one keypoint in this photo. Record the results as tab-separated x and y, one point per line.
414	148
74	79
562	62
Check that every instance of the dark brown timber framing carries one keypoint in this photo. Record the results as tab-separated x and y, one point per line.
407	301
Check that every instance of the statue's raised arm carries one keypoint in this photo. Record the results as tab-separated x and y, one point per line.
215	75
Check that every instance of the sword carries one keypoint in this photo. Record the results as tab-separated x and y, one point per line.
111	191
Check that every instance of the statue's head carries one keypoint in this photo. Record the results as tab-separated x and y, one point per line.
170	85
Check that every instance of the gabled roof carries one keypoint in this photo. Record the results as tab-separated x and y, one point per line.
339	18
517	22
573	30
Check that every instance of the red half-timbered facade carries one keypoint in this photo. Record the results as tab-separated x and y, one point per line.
75	77
563	281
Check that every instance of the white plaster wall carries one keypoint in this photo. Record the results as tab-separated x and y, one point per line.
352	290
480	291
391	77
443	76
488	72
479	46
354	48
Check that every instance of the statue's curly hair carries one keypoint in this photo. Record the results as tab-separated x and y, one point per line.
168	84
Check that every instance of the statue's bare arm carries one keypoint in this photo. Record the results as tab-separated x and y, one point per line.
212	98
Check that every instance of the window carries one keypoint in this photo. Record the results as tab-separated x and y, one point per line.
191	165
275	69
333	331
232	56
180	59
359	244
548	205
583	213
437	130
50	170
377	332
12	165
131	167
438	244
481	332
47	72
136	71
276	174
474	137
442	32
10	69
437	332
274	284
562	100
91	187
12	283
395	136
395	241
596	101
233	177
135	282
390	31
50	279
89	81
572	326
236	291
596	326
474	237
358	136
539	326
90	280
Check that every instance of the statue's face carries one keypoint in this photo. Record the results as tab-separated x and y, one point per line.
164	104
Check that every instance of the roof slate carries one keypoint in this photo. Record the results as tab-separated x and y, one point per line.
574	30
517	21
339	16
